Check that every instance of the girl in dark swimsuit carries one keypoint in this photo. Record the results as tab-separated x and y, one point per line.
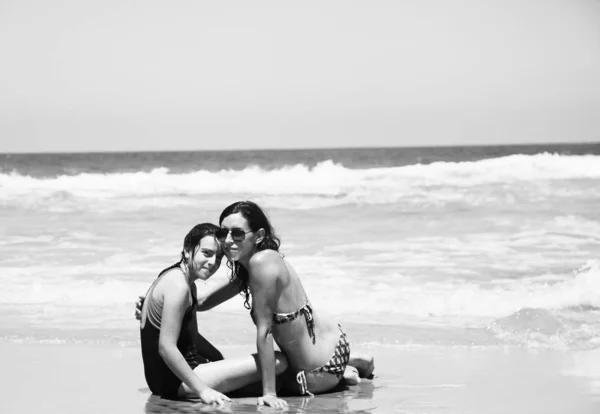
173	366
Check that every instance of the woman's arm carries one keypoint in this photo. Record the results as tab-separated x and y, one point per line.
216	295
175	303
263	284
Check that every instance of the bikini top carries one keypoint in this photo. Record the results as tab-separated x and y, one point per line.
306	310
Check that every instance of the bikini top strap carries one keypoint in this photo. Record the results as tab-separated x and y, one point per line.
310	320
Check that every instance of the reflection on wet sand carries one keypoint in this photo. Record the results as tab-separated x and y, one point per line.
585	365
346	399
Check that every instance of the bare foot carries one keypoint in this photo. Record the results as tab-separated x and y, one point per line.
365	364
351	376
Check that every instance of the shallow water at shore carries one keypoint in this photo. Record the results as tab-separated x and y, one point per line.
101	379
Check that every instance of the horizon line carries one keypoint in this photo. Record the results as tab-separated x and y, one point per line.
536	144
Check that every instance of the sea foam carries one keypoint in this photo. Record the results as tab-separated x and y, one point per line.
326	184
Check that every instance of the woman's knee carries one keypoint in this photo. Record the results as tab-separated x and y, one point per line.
281	362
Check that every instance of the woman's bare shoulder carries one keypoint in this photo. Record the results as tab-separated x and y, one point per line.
266	265
266	257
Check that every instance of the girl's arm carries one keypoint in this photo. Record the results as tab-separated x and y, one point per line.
205	348
216	295
175	303
263	284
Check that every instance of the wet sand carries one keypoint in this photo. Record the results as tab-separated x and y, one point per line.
38	378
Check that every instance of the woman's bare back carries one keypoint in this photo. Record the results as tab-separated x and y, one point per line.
307	337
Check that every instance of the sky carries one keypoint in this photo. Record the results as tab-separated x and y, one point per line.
120	75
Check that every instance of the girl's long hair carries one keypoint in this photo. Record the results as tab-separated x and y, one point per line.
257	220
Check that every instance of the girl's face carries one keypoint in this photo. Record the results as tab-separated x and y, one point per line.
207	258
235	245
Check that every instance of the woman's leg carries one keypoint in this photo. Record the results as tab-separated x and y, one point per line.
231	374
363	363
320	382
351	376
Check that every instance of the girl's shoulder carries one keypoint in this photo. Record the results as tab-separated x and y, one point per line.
173	281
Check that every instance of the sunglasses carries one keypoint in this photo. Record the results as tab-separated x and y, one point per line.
237	234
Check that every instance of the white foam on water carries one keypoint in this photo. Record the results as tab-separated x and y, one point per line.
86	286
332	289
486	182
528	246
392	296
100	301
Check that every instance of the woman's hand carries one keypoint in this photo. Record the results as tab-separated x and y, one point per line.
138	308
210	396
271	401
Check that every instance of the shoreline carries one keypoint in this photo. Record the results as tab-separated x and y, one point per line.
100	379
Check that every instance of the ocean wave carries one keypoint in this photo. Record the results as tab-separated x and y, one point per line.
401	296
549	312
109	283
326	184
459	301
541	328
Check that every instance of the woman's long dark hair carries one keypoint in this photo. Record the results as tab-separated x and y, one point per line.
191	240
257	220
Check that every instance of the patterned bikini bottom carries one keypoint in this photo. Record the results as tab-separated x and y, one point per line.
336	364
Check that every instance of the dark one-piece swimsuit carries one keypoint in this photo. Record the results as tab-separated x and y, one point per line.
159	377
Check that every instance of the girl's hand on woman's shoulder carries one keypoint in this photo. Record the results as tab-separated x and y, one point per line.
138	308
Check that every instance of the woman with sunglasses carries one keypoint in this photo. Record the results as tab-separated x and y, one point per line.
173	365
317	348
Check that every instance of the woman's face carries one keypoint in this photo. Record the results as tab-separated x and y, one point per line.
238	249
207	258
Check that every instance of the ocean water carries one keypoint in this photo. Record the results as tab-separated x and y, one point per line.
407	247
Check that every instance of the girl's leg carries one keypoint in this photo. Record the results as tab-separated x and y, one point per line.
231	374
207	350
